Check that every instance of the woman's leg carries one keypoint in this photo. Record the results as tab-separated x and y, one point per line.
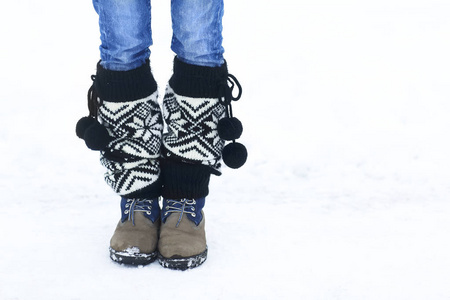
125	33
125	125
194	102
197	31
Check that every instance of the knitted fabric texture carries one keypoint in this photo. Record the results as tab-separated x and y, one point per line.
127	107
192	134
132	157
192	147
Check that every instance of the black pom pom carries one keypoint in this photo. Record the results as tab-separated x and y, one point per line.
234	155
82	125
97	137
229	128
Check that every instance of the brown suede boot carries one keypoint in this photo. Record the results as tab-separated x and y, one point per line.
182	240
136	236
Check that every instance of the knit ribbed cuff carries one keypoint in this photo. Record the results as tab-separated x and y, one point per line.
124	86
183	180
197	81
149	192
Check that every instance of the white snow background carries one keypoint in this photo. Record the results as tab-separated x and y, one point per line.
346	191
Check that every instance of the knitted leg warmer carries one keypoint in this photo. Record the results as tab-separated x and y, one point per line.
125	124
192	148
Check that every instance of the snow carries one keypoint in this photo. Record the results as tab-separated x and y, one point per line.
345	194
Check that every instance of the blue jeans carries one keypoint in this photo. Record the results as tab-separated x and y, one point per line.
126	35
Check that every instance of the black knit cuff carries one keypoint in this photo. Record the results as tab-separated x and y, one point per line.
150	192
183	180
123	86
197	81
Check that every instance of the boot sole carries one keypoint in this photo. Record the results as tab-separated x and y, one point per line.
183	263
131	258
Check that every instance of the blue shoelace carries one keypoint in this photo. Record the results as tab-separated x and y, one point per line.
182	206
137	205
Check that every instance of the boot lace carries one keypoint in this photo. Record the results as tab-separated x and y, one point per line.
137	205
182	206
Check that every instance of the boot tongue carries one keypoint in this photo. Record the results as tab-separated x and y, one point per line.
191	208
149	207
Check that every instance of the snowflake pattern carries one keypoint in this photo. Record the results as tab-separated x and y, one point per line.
192	127
137	130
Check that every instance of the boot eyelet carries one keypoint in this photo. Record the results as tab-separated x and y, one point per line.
149	213
193	215
126	211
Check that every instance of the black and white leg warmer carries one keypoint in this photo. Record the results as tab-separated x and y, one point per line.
125	124
192	148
